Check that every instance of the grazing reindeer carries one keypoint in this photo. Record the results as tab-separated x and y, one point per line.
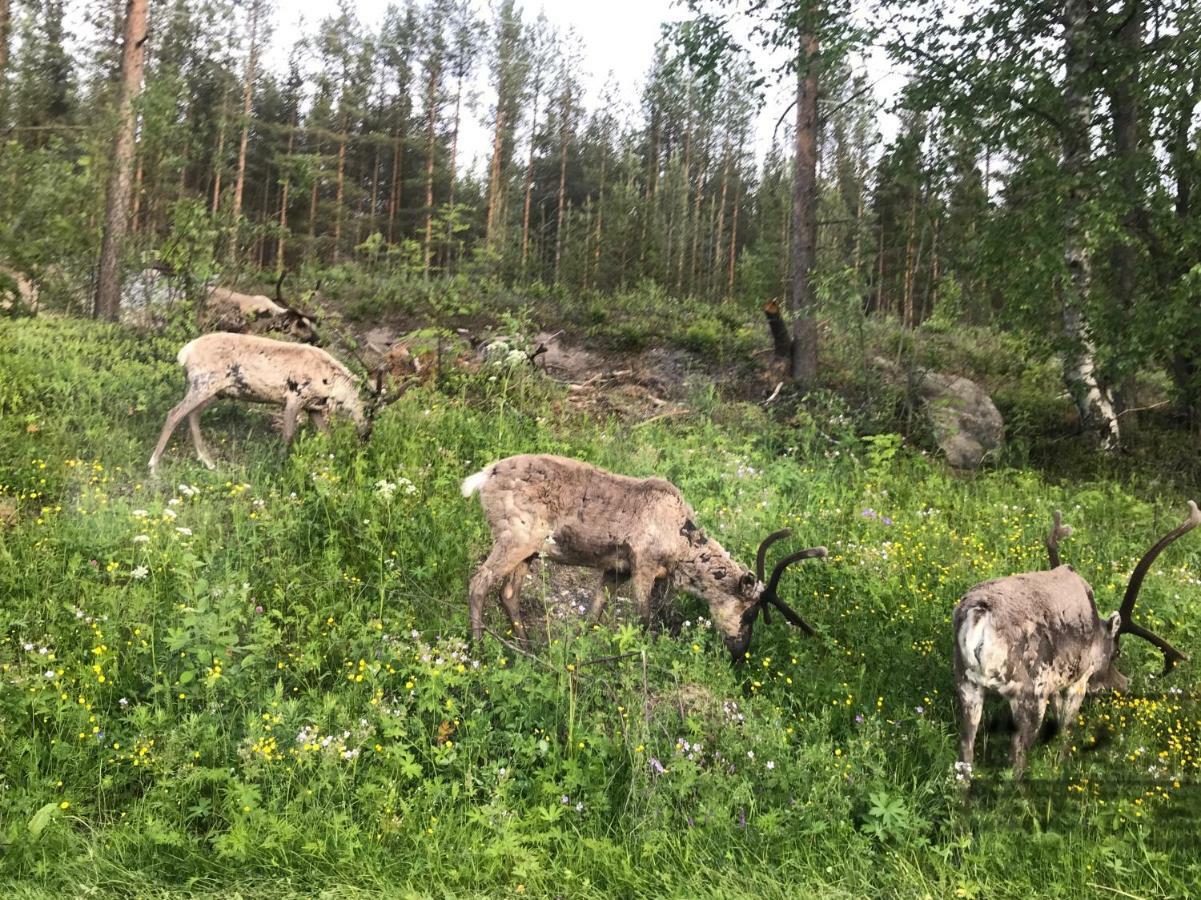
1037	637
639	528
247	367
228	310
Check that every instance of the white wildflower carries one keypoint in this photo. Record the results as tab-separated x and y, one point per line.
141	538
140	572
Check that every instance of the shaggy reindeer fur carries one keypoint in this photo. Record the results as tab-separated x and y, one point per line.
260	370
1036	638
229	310
641	528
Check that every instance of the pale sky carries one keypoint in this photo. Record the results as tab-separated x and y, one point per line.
618	39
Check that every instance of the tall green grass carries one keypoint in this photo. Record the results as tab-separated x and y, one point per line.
255	680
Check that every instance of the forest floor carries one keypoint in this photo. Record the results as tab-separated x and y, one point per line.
254	678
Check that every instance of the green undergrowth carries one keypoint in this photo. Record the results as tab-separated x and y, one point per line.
255	678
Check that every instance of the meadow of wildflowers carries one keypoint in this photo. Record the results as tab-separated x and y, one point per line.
255	679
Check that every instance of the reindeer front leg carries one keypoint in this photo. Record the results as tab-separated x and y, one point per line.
292	410
642	584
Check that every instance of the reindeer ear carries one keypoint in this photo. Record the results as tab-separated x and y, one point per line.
1114	624
380	375
696	536
746	585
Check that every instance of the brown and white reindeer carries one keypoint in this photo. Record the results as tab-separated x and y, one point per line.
1036	638
637	528
298	377
229	310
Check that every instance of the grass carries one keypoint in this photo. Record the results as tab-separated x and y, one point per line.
256	676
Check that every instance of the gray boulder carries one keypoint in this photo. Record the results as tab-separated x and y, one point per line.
965	422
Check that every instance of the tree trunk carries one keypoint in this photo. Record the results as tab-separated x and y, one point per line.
564	134
600	215
529	177
733	243
652	182
494	175
219	158
5	28
120	182
910	264
804	214
1124	105
685	190
694	262
340	192
247	100
283	208
431	145
719	244
396	189
1091	396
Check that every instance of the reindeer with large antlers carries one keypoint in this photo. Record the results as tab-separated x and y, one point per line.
1037	637
637	528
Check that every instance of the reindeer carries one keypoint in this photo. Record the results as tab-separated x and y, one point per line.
257	369
636	528
228	310
1037	637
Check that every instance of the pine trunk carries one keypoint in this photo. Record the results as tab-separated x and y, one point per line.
719	244
804	213
600	217
340	192
120	182
396	188
564	132
247	101
219	158
733	245
283	210
529	180
494	175
431	137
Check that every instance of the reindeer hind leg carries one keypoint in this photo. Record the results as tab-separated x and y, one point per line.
202	452
497	568
193	399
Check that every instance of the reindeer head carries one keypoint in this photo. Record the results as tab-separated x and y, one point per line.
1108	647
735	594
295	323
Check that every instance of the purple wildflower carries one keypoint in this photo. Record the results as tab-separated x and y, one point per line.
656	766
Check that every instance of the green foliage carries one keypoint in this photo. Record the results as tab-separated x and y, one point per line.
257	676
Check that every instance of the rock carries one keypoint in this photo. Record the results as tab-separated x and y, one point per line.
965	422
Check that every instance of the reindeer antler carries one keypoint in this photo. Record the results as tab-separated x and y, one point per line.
769	597
769	593
1057	532
1171	655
